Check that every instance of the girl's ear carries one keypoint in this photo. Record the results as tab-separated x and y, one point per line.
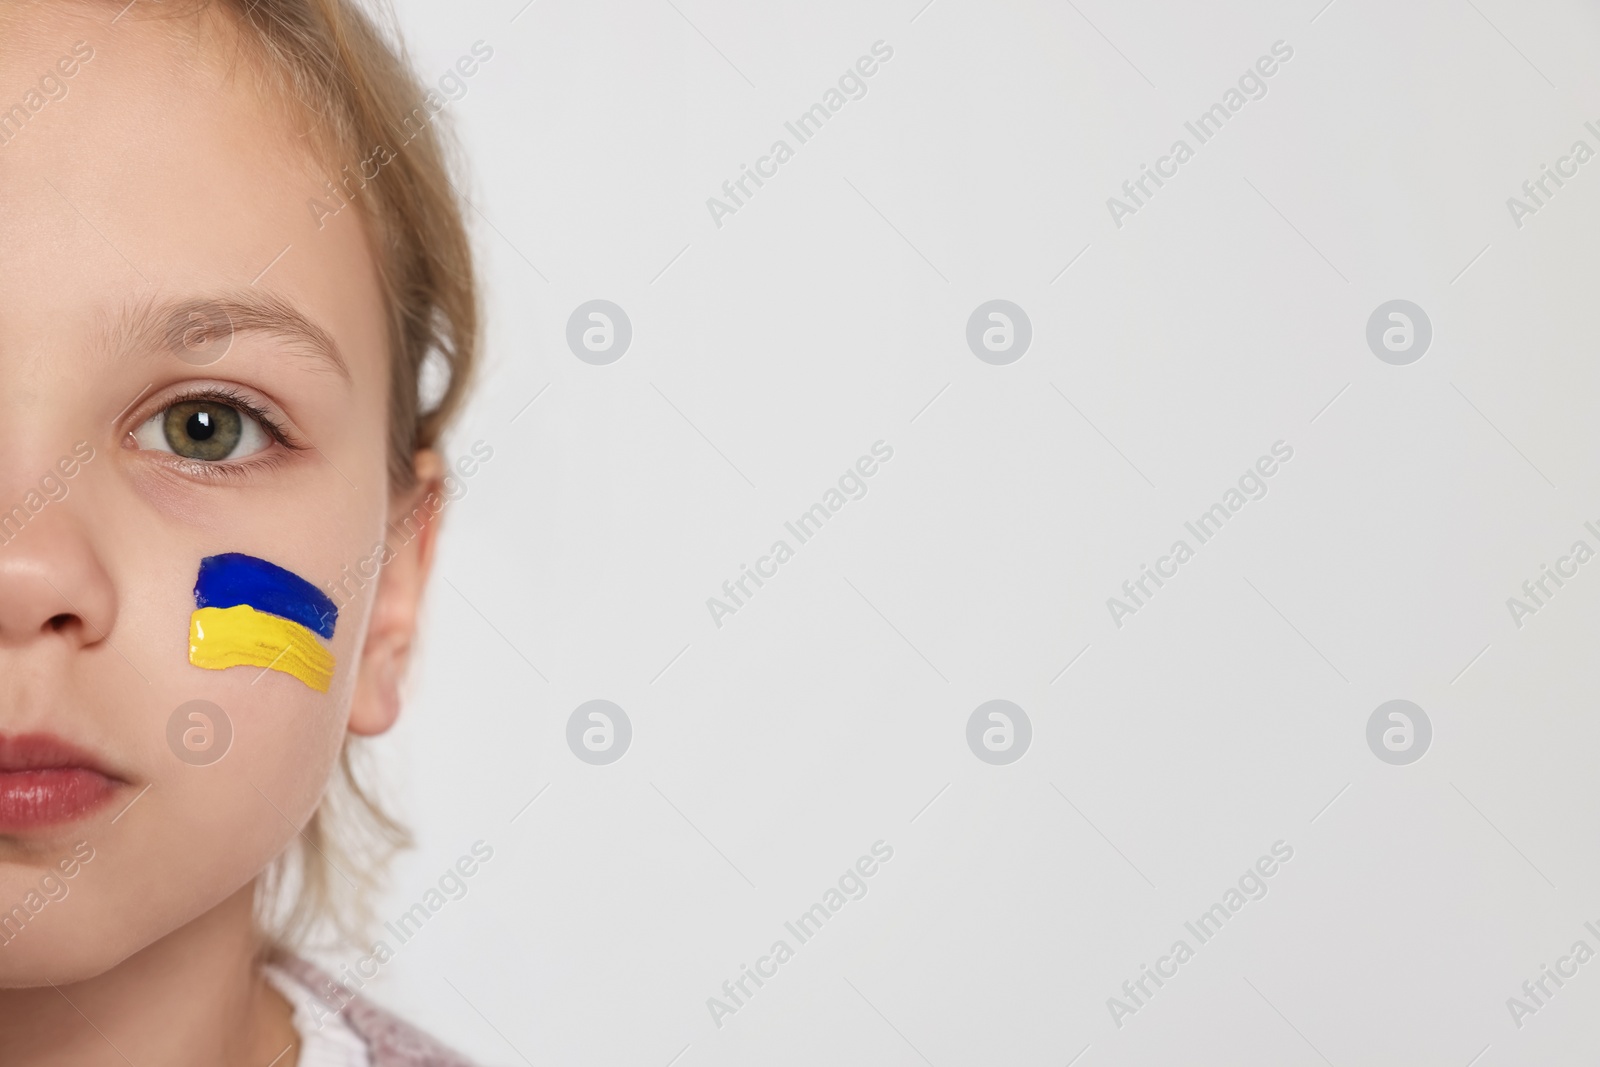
410	539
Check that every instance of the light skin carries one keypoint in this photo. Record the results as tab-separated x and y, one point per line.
163	176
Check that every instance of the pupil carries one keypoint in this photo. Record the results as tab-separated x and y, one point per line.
203	430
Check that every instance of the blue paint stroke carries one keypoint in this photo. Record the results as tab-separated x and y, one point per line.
230	580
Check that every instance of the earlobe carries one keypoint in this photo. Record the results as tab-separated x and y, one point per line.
376	704
396	603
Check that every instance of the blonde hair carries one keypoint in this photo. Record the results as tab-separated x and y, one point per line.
330	63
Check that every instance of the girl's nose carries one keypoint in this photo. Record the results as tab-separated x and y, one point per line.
52	582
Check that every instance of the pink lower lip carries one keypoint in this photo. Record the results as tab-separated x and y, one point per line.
30	799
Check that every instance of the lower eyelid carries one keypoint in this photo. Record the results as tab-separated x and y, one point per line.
228	470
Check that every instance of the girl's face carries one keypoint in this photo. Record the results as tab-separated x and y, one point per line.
189	367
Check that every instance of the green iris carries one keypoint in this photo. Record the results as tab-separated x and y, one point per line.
203	429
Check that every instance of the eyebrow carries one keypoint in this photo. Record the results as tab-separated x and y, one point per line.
169	326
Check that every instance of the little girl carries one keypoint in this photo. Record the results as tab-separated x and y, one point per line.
229	244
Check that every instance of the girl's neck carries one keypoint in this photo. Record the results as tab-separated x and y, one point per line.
195	998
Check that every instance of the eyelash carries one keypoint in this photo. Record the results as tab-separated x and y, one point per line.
235	399
224	470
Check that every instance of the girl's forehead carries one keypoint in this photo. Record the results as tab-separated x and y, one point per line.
146	164
169	35
159	98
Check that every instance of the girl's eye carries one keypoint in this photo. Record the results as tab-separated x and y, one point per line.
205	430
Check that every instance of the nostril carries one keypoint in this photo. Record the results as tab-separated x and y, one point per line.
59	622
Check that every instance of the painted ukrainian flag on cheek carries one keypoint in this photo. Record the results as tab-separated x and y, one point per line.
251	613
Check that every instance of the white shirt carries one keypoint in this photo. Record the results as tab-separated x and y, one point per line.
328	1043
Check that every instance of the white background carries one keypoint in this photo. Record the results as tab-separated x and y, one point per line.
1226	315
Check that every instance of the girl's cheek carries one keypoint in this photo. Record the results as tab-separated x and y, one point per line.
253	613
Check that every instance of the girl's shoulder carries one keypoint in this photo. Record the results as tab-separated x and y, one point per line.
389	1041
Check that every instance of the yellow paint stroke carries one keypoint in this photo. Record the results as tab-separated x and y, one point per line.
241	636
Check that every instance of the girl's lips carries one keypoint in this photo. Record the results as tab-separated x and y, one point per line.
45	781
38	798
